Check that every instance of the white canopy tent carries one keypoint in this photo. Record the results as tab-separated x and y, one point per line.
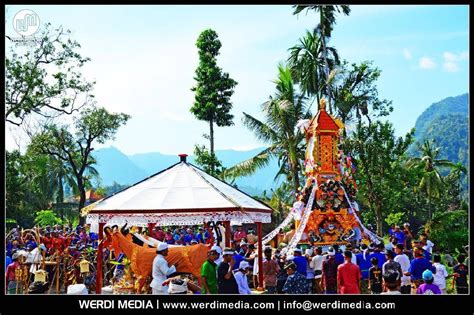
179	195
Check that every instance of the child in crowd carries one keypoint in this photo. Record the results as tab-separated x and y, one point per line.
428	287
460	274
375	277
441	273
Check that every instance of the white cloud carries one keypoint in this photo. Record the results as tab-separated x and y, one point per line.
450	66
427	63
407	53
452	60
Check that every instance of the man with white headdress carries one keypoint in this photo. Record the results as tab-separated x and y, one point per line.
35	257
161	270
240	276
218	250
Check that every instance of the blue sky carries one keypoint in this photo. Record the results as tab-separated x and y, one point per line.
144	57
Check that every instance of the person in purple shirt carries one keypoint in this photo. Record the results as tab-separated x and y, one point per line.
428	287
391	229
399	235
363	260
8	261
237	257
339	257
201	236
300	262
418	266
188	237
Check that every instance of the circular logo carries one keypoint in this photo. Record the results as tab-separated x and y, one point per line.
26	22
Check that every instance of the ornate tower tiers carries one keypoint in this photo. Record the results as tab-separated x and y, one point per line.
332	218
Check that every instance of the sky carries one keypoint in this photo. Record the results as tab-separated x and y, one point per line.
143	59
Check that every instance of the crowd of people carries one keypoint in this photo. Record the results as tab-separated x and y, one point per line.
407	264
34	246
184	236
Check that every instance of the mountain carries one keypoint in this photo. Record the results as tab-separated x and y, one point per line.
446	122
154	162
448	106
115	166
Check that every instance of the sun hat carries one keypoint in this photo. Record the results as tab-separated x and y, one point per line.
427	275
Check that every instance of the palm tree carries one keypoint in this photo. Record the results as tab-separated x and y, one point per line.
279	201
308	65
327	20
431	181
282	113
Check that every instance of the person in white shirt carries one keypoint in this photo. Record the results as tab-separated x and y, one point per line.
309	271
353	258
317	265
161	270
35	257
255	265
404	261
218	250
240	276
441	273
427	244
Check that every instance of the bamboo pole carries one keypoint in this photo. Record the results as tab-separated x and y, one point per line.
260	257
58	264
227	233
98	279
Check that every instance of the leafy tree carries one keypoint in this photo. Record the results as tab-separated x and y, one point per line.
28	185
449	229
327	16
93	125
431	182
355	91
395	218
208	161
308	66
116	187
280	201
450	133
47	217
213	89
327	20
377	154
16	189
282	113
46	79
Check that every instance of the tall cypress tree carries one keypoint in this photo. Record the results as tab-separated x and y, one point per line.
213	89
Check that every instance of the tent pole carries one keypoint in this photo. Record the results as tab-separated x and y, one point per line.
227	233
260	257
98	279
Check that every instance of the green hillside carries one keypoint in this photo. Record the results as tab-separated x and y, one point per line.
446	122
